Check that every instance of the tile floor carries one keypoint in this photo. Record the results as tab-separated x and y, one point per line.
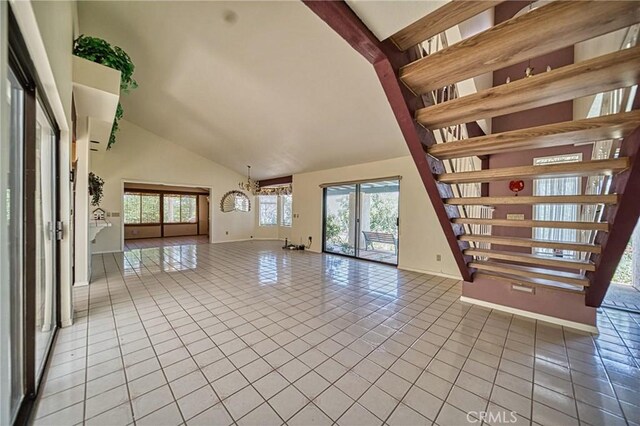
164	242
247	333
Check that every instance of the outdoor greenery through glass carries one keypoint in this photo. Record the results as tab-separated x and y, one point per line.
286	210
180	208
141	208
268	210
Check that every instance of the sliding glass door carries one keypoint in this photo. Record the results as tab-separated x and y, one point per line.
361	220
46	242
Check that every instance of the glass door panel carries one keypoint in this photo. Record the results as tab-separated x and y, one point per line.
340	220
378	220
45	238
11	236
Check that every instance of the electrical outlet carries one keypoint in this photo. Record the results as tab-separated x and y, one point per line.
438	257
227	233
310	238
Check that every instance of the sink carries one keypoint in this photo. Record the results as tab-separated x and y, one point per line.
95	226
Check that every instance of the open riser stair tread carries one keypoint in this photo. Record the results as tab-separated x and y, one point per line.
532	199
614	126
529	282
530	259
532	272
601	74
440	20
582	168
595	226
518	39
530	242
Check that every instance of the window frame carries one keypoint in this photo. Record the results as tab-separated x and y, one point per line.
180	195
281	208
162	194
141	194
259	209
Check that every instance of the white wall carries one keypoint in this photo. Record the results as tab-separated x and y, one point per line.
141	156
420	236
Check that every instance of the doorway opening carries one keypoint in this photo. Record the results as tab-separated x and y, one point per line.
361	220
624	291
165	215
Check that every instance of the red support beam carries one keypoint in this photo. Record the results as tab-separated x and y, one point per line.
387	60
282	180
622	219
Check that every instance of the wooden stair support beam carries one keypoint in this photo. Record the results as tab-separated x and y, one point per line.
525	271
580	168
530	258
614	126
585	226
440	20
549	199
530	243
530	282
523	37
622	220
387	60
601	74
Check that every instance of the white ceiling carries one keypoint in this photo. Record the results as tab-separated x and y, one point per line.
277	89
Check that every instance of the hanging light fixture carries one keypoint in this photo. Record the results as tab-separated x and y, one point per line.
250	185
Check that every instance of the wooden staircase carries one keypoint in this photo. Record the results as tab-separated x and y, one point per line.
413	81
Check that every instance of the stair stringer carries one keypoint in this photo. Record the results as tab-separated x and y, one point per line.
387	61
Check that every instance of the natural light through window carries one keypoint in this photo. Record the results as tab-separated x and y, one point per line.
180	208
268	210
141	208
286	210
556	212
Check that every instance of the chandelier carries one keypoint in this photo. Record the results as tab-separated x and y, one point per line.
250	185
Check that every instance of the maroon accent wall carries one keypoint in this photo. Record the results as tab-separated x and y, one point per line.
568	306
536	117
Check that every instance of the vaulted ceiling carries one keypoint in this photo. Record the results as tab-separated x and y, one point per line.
260	83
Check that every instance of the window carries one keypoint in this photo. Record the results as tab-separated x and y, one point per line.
268	210
285	210
141	208
180	208
556	212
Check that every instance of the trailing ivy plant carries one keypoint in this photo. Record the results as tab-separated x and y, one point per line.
100	51
95	188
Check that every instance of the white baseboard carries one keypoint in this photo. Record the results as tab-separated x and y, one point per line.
80	283
539	317
66	322
422	271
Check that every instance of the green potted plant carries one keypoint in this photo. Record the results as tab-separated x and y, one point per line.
95	188
100	51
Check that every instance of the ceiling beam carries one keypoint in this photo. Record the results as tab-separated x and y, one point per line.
283	180
387	60
440	20
601	74
614	126
543	30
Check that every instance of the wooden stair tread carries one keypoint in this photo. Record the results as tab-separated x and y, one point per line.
440	20
518	39
528	281
530	242
531	259
532	272
581	168
549	199
596	226
614	126
601	74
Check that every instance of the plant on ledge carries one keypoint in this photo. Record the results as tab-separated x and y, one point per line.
95	188
100	51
